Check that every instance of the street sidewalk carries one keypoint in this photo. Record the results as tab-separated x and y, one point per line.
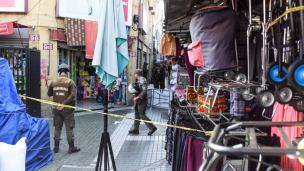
132	152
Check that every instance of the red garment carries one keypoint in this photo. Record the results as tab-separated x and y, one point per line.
91	28
288	114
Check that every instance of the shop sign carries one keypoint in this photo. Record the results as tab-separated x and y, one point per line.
88	9
47	46
219	104
192	95
132	54
18	6
34	37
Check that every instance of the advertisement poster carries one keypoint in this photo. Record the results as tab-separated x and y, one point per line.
19	6
88	9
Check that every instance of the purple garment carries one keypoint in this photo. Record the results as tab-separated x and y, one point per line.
190	68
194	155
178	48
186	153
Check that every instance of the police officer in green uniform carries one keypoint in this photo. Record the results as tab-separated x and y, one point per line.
140	104
63	91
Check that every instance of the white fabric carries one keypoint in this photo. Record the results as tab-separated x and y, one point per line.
12	157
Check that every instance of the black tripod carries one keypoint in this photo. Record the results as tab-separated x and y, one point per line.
105	142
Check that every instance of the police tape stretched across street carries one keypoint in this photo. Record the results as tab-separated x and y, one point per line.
64	91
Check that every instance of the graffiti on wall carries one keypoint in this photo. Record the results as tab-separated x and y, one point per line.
43	69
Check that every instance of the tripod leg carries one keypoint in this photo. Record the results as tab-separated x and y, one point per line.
100	154
111	153
105	146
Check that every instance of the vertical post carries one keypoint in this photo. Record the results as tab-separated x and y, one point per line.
106	111
49	62
264	44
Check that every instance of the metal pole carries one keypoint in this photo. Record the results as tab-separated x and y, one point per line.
248	42
48	70
302	31
264	44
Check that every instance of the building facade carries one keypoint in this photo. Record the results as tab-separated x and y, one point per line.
41	16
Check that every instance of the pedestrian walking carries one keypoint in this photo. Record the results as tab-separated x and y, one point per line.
115	90
157	76
140	104
64	92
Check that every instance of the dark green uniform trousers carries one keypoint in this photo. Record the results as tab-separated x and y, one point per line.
140	113
68	118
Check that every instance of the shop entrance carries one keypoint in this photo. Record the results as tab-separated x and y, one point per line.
83	74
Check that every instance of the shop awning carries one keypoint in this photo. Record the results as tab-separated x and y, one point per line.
58	35
7	28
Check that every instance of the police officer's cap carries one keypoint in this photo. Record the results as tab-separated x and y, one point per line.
138	72
63	66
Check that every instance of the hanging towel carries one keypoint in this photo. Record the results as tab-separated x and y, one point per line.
111	50
91	28
288	114
74	29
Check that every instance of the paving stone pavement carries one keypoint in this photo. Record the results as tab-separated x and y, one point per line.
131	152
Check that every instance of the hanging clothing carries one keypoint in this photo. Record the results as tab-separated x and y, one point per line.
75	31
168	45
237	105
178	47
190	68
286	113
91	28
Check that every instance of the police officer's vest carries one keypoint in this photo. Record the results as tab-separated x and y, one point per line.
61	89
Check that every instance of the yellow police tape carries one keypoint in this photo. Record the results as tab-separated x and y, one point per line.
295	9
207	133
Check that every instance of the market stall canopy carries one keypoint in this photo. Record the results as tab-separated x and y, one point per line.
178	13
8	28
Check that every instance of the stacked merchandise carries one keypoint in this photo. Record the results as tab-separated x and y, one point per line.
89	87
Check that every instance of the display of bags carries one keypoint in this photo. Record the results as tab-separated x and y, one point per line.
214	27
195	54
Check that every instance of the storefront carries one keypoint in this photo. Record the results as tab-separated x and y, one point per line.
227	87
84	75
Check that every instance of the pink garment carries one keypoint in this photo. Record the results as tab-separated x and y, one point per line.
288	114
91	28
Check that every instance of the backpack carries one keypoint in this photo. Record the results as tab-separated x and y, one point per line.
158	73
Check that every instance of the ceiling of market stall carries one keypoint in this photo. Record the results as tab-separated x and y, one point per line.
178	13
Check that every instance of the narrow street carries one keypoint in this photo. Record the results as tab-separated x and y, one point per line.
132	152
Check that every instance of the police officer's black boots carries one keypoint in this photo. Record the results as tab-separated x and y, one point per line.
134	132
56	148
72	148
152	131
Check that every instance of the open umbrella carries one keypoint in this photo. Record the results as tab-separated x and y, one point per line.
110	58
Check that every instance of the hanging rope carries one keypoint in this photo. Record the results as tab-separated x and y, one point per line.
19	33
295	9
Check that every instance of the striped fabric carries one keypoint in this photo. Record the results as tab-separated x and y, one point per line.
75	31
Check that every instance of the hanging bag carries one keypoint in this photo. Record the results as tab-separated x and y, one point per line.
195	54
214	28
